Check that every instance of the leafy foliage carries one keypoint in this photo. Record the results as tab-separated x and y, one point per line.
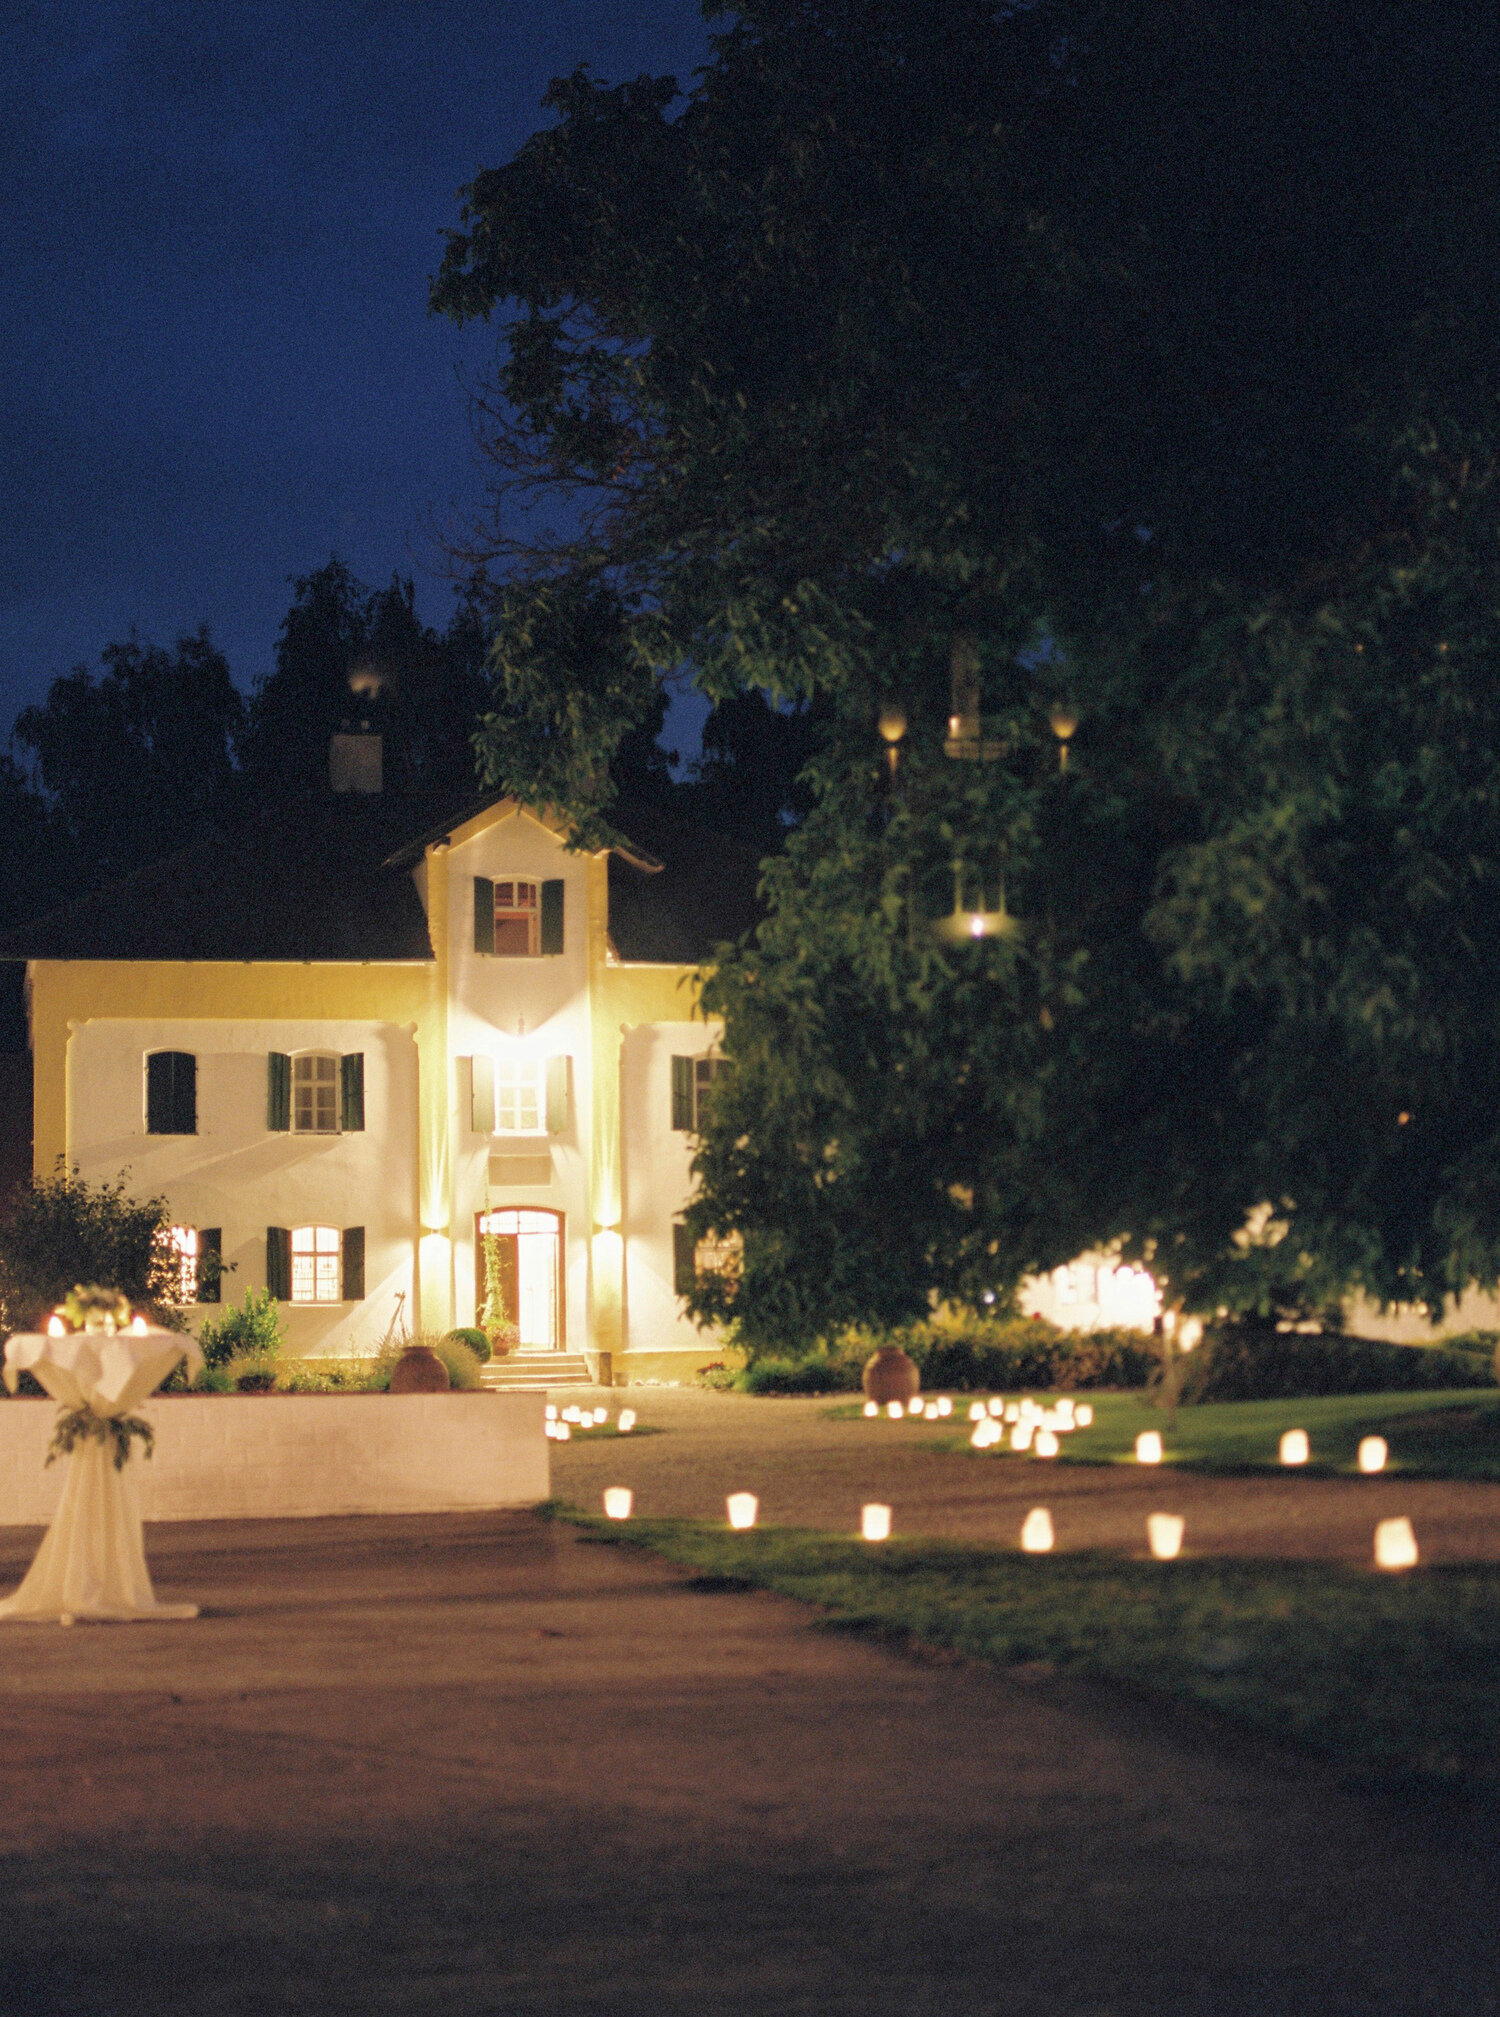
251	1330
61	1230
1137	356
79	1425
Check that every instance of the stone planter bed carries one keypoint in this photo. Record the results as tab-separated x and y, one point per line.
288	1456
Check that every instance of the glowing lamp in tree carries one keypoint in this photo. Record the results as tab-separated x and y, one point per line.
1063	721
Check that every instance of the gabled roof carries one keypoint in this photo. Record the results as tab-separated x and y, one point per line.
325	876
303	880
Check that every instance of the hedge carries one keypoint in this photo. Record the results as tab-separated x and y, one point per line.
1263	1365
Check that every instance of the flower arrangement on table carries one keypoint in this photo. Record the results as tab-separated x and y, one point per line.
87	1307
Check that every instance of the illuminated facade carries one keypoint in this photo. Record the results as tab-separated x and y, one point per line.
337	1040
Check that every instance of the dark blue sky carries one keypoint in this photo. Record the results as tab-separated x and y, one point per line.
216	361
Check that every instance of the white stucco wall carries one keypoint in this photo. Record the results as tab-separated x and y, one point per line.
536	1008
281	1456
236	1174
657	1181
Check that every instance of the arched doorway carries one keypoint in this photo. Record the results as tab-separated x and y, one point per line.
531	1271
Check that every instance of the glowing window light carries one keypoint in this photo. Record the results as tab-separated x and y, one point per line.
618	1502
872	1408
895	1410
944	1406
742	1508
1294	1447
1395	1545
1373	1451
875	1523
1083	1415
1036	1532
1021	1435
1148	1447
1046	1444
1164	1531
626	1422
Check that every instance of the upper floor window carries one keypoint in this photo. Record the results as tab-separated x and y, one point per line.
171	1093
315	1092
517	1094
516	918
691	1080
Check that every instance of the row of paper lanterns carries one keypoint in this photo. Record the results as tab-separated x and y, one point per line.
1395	1542
1293	1449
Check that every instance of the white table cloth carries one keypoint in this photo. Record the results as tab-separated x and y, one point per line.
92	1562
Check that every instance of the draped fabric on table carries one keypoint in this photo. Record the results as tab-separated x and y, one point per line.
92	1563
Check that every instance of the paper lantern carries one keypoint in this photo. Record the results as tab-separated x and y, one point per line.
872	1408
944	1406
550	1412
978	1412
1021	1435
1083	1415
1046	1444
895	1410
997	1409
618	1500
1294	1447
1036	1532
1395	1545
875	1523
930	1412
742	1508
601	1415
1372	1453
563	1432
1012	1412
1164	1532
1148	1447
1064	1413
627	1421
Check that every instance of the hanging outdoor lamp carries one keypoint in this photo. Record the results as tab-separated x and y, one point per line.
972	916
965	738
1064	723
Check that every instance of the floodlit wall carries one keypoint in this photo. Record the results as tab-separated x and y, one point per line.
656	1163
290	1456
237	1174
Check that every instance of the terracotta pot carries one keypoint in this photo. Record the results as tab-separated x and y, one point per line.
890	1375
419	1370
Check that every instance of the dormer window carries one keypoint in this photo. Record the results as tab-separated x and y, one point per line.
518	919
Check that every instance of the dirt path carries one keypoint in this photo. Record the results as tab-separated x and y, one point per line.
812	1471
473	1764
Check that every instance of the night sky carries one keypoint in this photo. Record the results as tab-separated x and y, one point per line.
218	366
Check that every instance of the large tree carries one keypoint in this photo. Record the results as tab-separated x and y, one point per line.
1135	356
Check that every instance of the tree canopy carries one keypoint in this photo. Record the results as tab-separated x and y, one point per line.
1133	356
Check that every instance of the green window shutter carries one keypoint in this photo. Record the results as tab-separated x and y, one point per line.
278	1092
482	1102
682	1095
684	1265
171	1093
279	1262
552	917
210	1264
353	1252
484	914
557	1095
352	1092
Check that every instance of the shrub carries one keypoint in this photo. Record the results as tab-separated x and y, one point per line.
820	1372
462	1361
60	1230
476	1341
252	1329
1245	1362
250	1373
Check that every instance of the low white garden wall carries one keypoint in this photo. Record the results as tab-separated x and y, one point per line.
288	1456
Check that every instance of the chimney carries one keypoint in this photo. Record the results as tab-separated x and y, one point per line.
354	761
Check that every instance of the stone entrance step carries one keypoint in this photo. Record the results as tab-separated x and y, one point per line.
537	1369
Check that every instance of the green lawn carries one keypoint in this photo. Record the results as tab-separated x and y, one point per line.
1452	1434
1396	1679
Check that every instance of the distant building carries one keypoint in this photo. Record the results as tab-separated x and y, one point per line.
335	1038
